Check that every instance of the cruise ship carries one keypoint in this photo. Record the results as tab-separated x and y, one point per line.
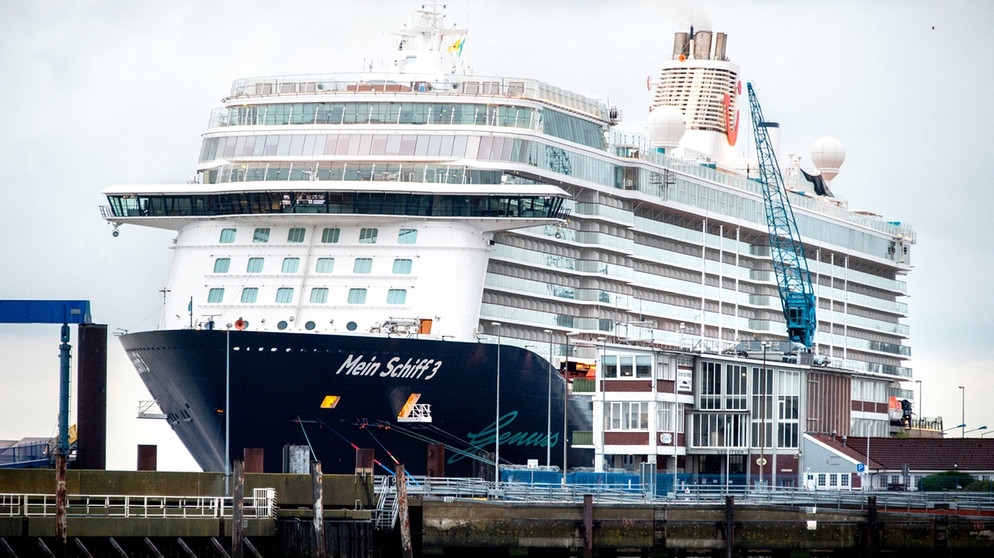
430	267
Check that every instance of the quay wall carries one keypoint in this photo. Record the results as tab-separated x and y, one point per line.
340	491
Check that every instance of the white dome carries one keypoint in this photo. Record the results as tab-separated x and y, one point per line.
828	154
665	126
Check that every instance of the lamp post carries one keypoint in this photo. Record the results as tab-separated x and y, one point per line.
566	403
497	422
762	418
227	414
986	433
597	376
548	412
984	427
962	418
963	425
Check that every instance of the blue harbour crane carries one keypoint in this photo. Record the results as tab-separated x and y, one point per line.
789	262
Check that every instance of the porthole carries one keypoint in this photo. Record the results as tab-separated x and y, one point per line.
282	325
310	326
351	326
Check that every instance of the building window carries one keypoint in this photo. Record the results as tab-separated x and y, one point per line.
396	296
227	236
363	265
221	265
407	236
254	265
215	296
627	415
291	265
357	296
368	235
401	266
626	366
261	235
284	295
319	295
822	479
325	265
610	363
295	235
249	295
330	235
643	366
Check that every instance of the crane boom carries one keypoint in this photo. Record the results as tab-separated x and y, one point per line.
789	262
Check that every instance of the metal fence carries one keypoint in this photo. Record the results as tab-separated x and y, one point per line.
627	489
260	505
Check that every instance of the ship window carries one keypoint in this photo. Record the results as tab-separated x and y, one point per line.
357	296
261	235
291	265
330	235
325	265
284	295
227	236
401	266
295	235
396	296
282	325
407	236
363	265
254	265
221	265
319	295
249	294
215	296
368	235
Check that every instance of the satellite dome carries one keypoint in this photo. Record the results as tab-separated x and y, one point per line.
665	126
828	154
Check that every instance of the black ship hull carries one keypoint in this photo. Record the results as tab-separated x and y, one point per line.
339	393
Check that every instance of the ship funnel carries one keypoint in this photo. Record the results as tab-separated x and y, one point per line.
702	45
719	45
681	45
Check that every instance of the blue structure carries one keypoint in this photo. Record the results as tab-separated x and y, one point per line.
63	312
789	262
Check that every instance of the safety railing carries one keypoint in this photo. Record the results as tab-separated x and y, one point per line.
260	505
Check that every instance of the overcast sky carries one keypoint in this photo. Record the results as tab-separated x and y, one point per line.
118	91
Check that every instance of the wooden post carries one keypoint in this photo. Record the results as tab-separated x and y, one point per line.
588	525
317	482
238	510
61	499
729	525
405	521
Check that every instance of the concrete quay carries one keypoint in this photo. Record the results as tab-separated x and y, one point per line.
159	514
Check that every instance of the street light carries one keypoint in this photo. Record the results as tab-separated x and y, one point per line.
954	428
762	418
227	413
984	427
548	412
497	423
600	368
962	417
566	401
986	433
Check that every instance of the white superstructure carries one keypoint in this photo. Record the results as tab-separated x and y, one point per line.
427	201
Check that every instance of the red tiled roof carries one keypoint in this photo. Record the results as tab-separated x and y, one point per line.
923	454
